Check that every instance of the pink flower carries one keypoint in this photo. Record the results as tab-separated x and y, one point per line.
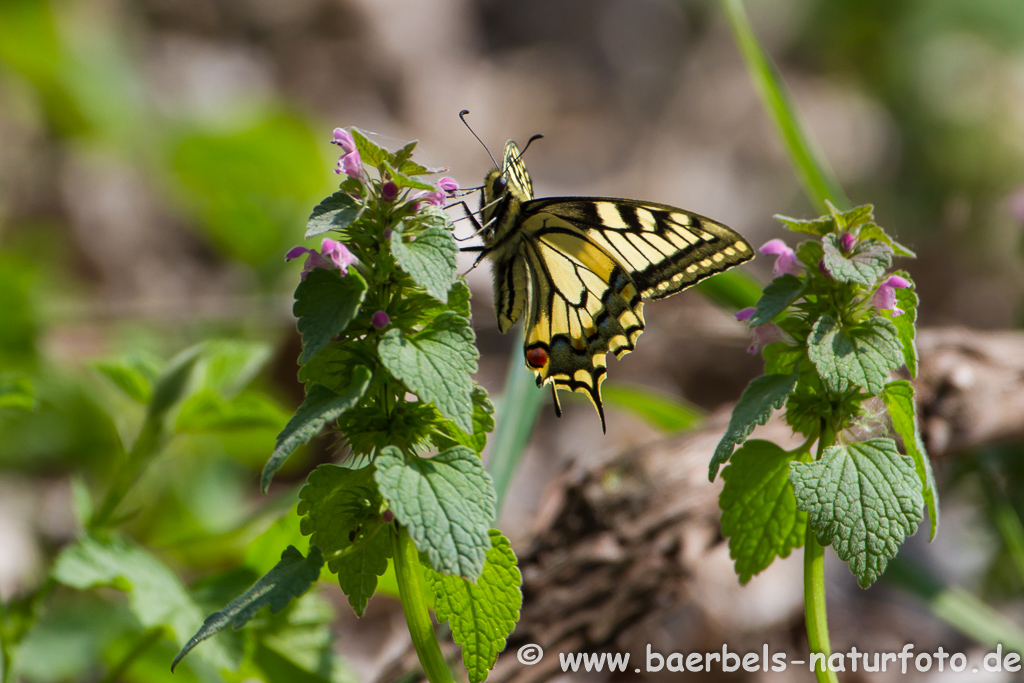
439	196
388	191
447	185
885	296
343	139
380	320
846	241
350	162
334	255
762	335
339	254
786	257
766	334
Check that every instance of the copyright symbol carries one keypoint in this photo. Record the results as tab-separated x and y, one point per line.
530	654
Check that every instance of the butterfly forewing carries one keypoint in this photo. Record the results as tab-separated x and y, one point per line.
579	267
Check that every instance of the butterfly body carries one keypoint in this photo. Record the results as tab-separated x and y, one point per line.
579	267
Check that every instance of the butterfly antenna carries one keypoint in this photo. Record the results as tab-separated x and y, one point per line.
529	142
462	115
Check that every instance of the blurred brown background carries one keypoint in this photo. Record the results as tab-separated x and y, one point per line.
158	157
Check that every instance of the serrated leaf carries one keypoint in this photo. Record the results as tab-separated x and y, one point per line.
403	155
400	179
17	393
447	503
481	614
321	407
155	595
762	396
860	356
325	303
816	226
872	231
290	578
206	411
446	434
863	499
859	215
865	263
336	212
133	374
369	152
899	398
435	364
341	510
777	296
810	253
429	258
906	324
759	515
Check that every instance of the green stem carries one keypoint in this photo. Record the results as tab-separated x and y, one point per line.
6	657
814	586
148	443
414	604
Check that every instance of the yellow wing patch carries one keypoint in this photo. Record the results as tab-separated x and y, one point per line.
579	268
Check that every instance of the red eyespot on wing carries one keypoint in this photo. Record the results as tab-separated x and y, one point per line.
536	357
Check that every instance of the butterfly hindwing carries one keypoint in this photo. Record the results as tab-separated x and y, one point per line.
579	267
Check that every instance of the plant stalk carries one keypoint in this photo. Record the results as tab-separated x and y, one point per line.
414	604
815	615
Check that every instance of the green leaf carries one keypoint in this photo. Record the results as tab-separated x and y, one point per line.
899	398
133	374
660	410
337	212
872	231
759	514
859	215
155	595
778	295
859	356
810	253
762	396
17	393
447	502
865	263
325	303
290	578
228	366
400	179
481	614
206	411
906	324
341	509
435	364
863	499
321	407
369	152
173	383
816	226
447	434
429	258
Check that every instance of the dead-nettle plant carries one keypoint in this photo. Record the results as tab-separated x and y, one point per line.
833	326
387	356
